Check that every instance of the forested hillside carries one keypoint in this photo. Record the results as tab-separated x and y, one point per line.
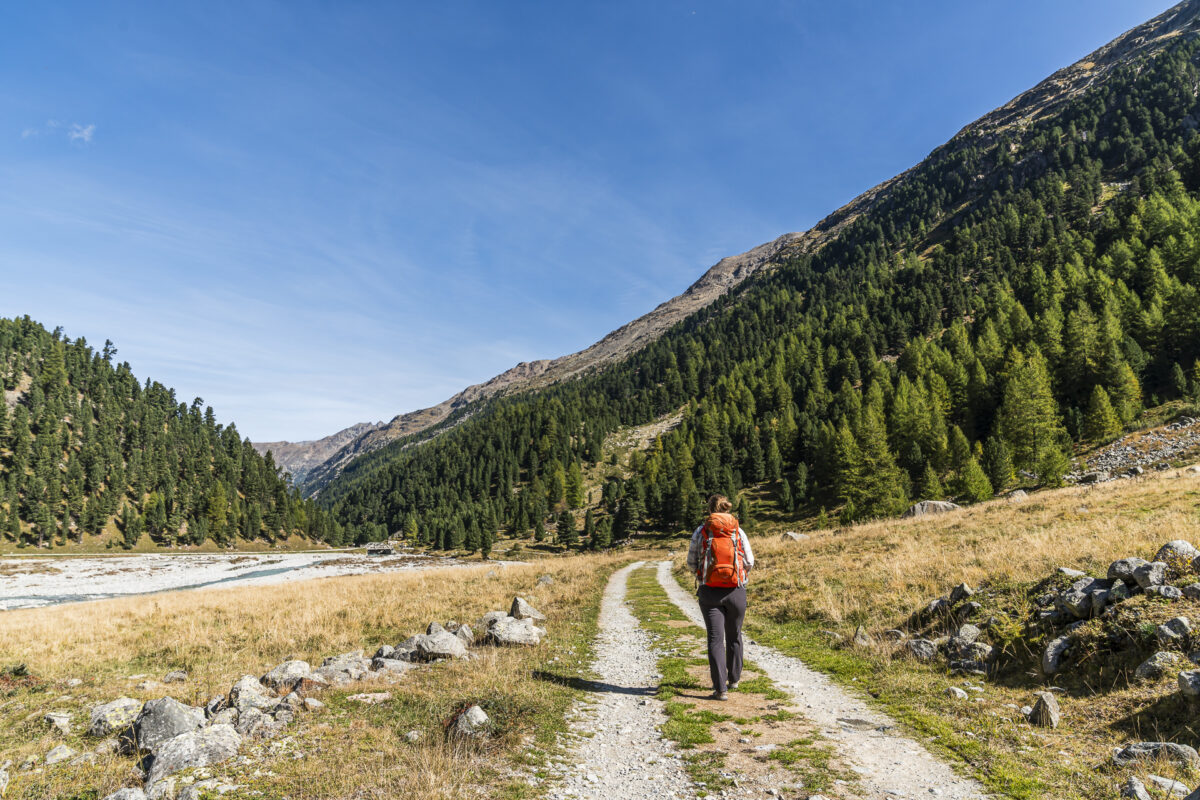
1029	287
85	449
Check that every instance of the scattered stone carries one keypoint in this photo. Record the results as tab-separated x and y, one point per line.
510	632
1052	656
1045	711
195	749
107	748
490	618
522	610
1123	570
434	628
412	737
287	675
1137	752
545	580
405	651
1156	666
440	645
937	607
960	593
393	666
385	651
73	682
1192	591
126	794
248	693
1119	591
371	698
968	610
1071	573
968	633
59	754
1152	574
792	536
1018	496
472	723
1134	789
861	639
341	669
1189	683
1174	631
86	758
1078	599
921	649
214	704
59	722
927	507
1167	785
1166	592
1177	554
467	635
159	721
313	705
175	676
956	693
895	635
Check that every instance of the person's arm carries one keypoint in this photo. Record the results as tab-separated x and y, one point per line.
693	559
746	548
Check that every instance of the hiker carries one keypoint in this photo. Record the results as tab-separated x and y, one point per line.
720	555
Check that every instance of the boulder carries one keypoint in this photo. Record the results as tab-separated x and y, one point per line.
1152	574
1053	654
1166	786
1137	752
214	704
1177	554
109	718
961	592
175	676
195	749
927	507
1192	591
969	667
1119	591
465	633
1018	496
440	645
1123	569
342	669
126	794
1045	711
1134	789
921	649
247	693
59	722
1166	592
59	754
1174	631
510	632
472	723
287	675
522	610
792	536
1189	683
161	720
1078	600
1156	665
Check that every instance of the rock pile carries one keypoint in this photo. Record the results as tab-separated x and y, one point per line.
1131	455
168	737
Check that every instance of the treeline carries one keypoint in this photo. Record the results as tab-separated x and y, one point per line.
87	449
1019	292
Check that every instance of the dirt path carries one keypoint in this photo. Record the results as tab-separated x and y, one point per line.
618	751
889	765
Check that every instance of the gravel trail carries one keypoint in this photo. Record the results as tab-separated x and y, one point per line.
889	764
617	750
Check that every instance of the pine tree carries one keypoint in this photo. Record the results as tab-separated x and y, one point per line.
997	463
602	539
973	484
539	529
930	486
1028	419
589	529
566	533
1101	422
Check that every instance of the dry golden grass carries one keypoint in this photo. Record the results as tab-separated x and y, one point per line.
220	635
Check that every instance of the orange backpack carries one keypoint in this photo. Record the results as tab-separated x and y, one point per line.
722	562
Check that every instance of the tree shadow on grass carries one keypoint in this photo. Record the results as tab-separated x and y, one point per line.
596	687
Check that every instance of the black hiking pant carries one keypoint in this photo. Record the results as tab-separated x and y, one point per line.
724	611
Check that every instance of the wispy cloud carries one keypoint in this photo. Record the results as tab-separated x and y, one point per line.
81	133
77	133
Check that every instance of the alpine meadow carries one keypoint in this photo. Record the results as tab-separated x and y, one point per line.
901	505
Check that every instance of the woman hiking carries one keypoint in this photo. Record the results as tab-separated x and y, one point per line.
720	555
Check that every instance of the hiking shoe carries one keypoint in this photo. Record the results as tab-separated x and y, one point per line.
719	696
733	686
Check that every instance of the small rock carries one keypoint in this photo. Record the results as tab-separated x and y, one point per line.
1123	569
522	610
927	507
126	794
1174	631
1177	554
1053	654
489	619
895	635
937	607
73	682
313	704
412	737
960	593
1156	666
371	698
1071	573
1189	683
434	628
1045	711
1018	496
921	649
861	639
440	645
287	675
467	635
956	693
175	676
792	536
1134	789
1168	786
968	633
247	693
59	722
159	721
511	632
1153	574
1192	591
385	651
1166	592
226	716
392	665
59	754
545	580
1137	752
472	723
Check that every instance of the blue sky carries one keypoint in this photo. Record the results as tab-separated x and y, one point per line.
316	214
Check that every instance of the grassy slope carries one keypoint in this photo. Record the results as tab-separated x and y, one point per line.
217	636
878	574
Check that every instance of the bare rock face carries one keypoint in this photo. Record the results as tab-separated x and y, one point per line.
195	749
